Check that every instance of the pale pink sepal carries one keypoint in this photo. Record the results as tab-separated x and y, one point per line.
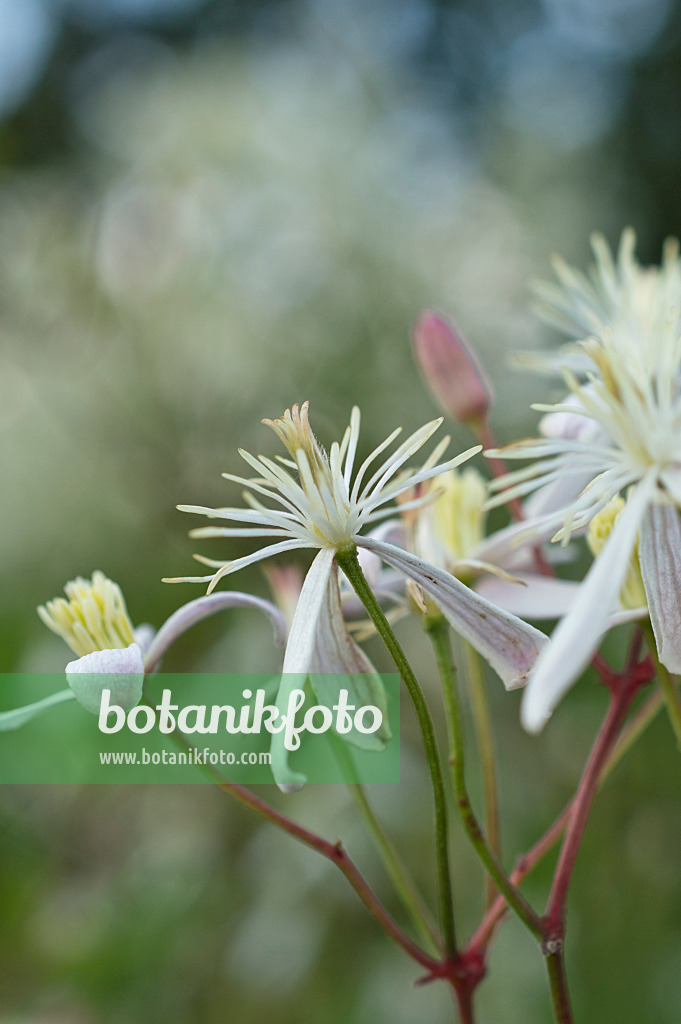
660	557
119	670
541	597
508	644
544	597
576	637
451	369
202	608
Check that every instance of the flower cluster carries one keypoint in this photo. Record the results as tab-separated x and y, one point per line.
616	437
607	464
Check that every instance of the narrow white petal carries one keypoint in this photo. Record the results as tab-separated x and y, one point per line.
409	482
300	651
238	515
660	556
201	608
240	563
204	532
624	615
575	638
508	644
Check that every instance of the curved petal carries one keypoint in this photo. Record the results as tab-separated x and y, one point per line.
203	607
19	716
508	644
660	557
300	651
120	670
512	547
575	638
542	597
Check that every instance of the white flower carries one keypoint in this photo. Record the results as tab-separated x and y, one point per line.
95	624
630	445
323	503
618	296
449	532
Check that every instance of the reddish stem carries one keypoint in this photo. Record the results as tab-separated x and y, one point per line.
634	675
622	697
336	853
464	999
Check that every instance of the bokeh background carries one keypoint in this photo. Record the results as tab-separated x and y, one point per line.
209	210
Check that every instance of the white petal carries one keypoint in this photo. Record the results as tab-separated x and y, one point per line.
511	547
121	671
660	556
509	645
201	608
576	637
19	716
624	615
543	597
300	651
555	496
338	663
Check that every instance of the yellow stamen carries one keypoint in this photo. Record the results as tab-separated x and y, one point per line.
94	618
633	593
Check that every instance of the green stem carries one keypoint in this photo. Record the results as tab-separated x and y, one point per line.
404	885
349	563
667	682
439	633
485	738
402	881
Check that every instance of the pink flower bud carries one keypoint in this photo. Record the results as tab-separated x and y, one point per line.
450	368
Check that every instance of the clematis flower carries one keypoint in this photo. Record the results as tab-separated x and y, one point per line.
93	620
618	297
450	533
323	503
630	445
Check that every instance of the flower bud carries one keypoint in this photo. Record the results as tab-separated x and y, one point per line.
451	369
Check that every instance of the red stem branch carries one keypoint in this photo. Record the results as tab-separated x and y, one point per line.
622	697
524	865
336	853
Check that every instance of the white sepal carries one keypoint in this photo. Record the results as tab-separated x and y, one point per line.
660	558
120	670
508	644
300	651
575	638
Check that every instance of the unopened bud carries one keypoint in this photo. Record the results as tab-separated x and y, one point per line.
451	369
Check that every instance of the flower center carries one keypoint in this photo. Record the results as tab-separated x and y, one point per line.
321	479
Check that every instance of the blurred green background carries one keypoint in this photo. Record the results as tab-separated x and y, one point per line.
208	211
